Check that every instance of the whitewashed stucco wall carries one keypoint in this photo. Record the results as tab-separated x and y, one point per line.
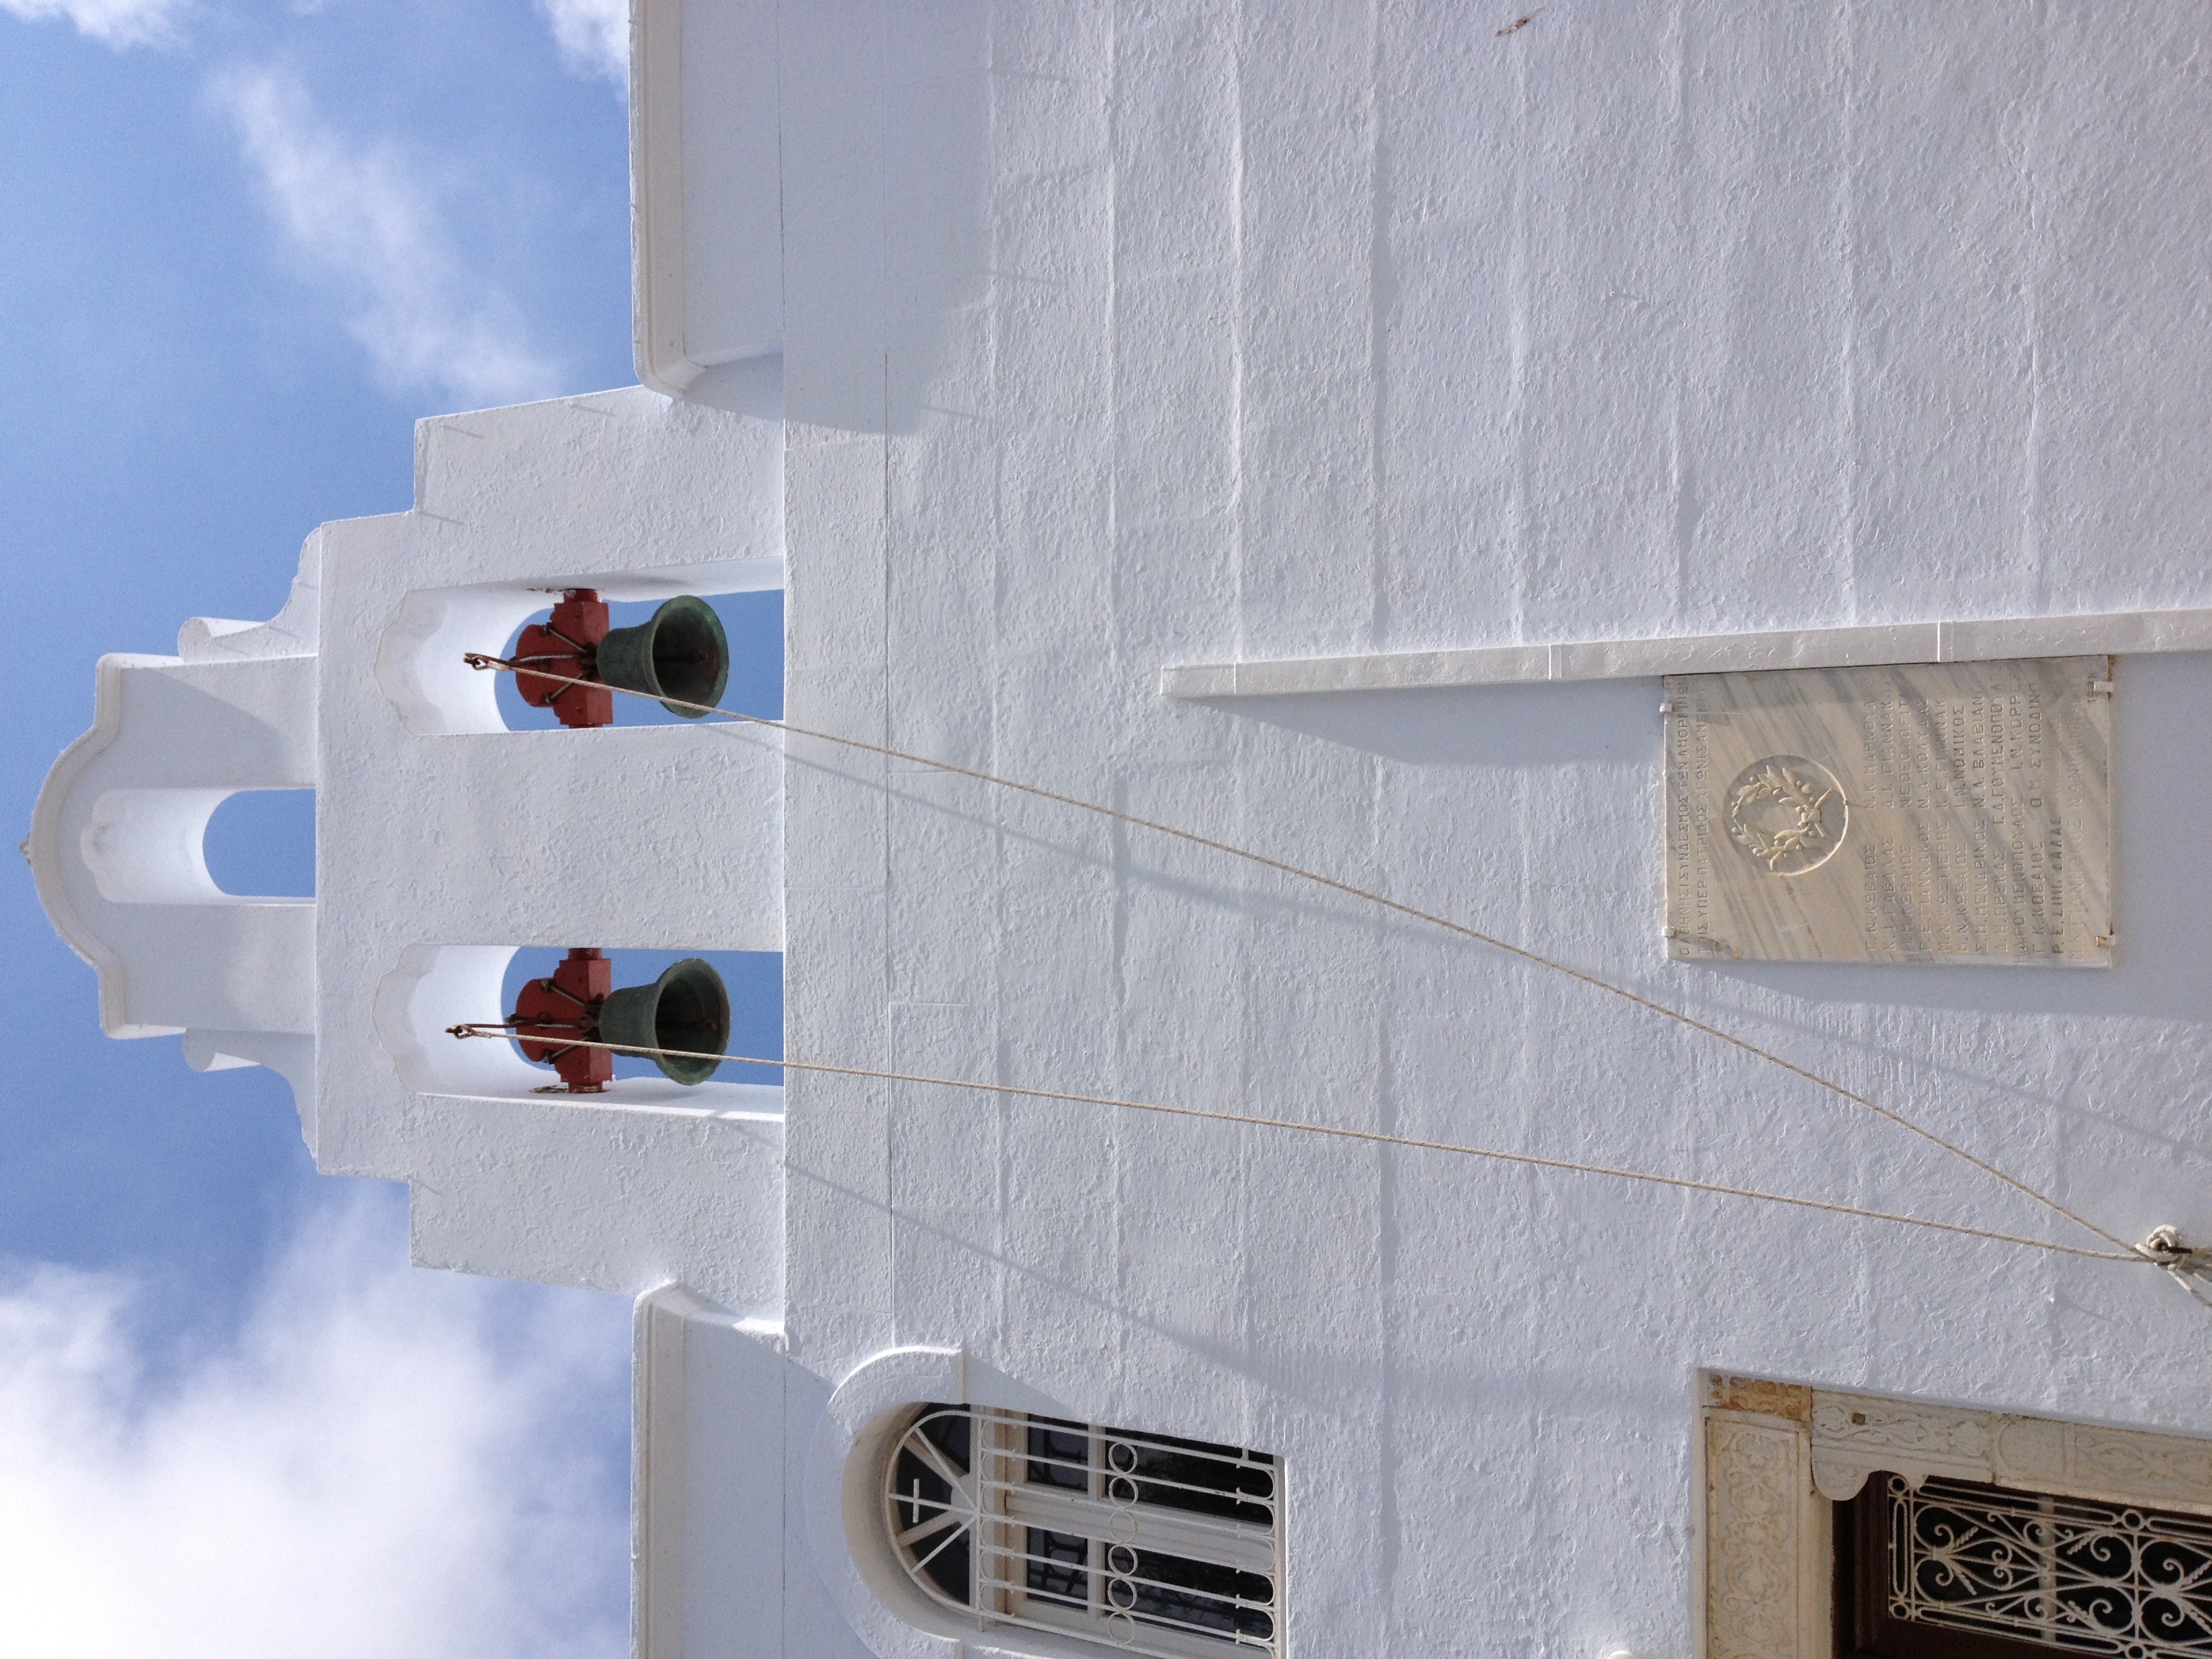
1127	335
1122	336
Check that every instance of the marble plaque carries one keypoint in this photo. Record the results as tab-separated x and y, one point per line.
1927	812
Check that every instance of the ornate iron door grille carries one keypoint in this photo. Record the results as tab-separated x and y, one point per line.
2026	1569
1152	1545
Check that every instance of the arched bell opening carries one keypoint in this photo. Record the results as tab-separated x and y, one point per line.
201	845
664	999
421	664
260	843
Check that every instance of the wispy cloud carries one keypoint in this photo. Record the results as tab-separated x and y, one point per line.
593	35
374	1470
363	223
116	22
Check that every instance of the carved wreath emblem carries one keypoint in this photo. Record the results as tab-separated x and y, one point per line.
1788	812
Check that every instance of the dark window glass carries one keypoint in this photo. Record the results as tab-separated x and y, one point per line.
1203	1595
1056	1560
922	1496
1060	1454
1187	1474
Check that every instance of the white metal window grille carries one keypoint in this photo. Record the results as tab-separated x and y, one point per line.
1153	1544
2064	1573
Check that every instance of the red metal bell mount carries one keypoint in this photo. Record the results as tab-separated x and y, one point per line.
567	644
552	1016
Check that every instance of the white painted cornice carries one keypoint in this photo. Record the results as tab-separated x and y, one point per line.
2118	633
705	197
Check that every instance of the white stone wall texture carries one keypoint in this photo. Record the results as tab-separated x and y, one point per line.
1076	343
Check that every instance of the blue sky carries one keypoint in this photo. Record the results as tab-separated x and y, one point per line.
247	243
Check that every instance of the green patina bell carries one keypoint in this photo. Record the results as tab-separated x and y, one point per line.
680	653
688	1007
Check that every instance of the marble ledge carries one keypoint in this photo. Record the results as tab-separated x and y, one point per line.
2119	633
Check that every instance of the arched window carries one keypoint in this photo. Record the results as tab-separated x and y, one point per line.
1151	1544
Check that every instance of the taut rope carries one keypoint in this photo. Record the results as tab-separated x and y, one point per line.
2123	1250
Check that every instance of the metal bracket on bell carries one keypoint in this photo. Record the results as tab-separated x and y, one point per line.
554	1016
567	644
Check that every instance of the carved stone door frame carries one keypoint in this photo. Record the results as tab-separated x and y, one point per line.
1776	1455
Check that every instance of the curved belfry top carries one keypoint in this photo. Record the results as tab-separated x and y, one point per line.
115	842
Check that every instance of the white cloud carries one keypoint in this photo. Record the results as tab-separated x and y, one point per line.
362	222
116	22
374	1470
593	35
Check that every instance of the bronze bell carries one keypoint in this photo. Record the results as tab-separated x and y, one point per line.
688	1007
680	652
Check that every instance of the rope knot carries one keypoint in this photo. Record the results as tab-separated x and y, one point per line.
2165	1247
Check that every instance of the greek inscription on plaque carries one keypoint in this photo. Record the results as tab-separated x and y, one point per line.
1928	812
